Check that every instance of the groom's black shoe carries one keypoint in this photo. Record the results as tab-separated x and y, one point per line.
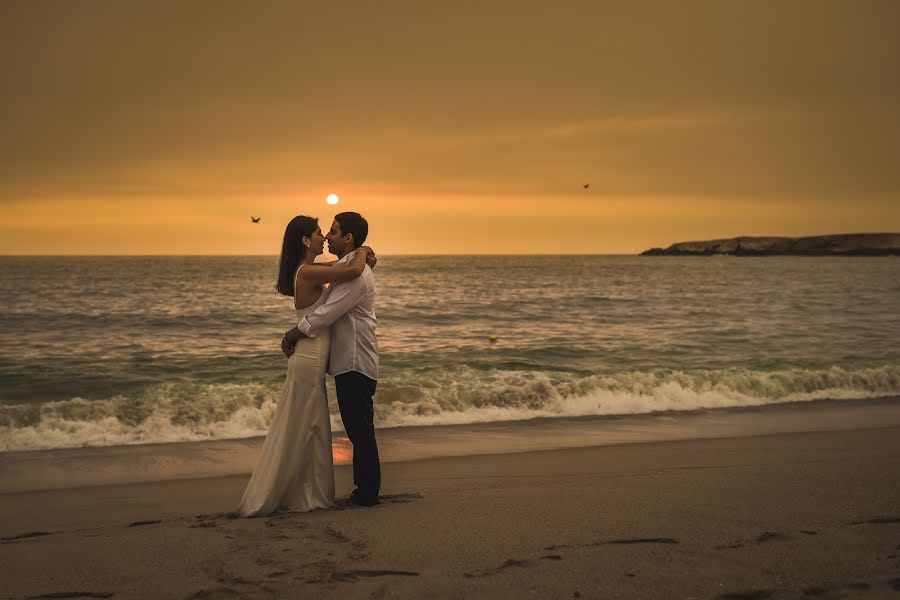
360	499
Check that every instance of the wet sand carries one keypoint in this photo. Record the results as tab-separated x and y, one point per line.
813	514
78	467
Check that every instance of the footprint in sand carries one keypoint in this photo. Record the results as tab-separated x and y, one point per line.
770	536
74	595
400	498
277	574
218	516
878	521
749	595
826	590
830	588
142	523
214	594
23	536
345	503
643	541
766	536
335	535
507	564
622	541
354	575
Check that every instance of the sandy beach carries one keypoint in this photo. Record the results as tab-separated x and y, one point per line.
626	324
813	514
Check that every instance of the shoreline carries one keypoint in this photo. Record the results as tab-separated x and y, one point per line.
780	515
33	470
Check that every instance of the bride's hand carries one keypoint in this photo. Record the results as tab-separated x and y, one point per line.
371	260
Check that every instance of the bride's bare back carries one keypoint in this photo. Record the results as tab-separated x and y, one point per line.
310	280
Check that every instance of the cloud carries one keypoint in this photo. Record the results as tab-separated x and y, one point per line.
705	98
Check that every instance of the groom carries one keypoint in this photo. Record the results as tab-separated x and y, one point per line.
350	311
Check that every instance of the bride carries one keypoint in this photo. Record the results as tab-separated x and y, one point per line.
294	471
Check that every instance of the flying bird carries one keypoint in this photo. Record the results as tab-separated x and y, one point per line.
255	219
586	185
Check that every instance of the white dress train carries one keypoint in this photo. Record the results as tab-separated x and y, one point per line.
294	471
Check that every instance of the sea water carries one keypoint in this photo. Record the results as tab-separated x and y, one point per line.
98	351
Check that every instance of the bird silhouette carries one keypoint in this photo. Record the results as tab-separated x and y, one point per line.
255	219
586	185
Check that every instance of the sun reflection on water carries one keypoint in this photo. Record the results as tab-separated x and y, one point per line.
342	450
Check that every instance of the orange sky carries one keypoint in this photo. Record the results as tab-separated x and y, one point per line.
463	128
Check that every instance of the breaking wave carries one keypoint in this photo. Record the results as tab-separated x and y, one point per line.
184	412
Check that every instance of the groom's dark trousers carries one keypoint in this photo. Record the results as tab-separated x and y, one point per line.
354	395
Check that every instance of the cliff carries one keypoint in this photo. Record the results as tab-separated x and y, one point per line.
851	244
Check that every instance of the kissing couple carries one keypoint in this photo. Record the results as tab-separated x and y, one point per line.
335	332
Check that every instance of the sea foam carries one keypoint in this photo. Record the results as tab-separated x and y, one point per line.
184	412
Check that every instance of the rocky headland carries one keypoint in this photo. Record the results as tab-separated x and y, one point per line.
851	244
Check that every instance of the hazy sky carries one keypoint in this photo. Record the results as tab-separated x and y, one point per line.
454	127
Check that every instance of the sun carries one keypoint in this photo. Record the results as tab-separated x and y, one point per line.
332	199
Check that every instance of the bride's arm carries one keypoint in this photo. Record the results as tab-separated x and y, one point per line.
371	260
318	274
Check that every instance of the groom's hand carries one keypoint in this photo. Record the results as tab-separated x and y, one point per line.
287	347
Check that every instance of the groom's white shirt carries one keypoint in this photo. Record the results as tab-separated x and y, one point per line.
350	312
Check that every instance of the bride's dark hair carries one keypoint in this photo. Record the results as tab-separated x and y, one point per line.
293	251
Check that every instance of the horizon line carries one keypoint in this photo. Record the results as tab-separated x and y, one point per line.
277	255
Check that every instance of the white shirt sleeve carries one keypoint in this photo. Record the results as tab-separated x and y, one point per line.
342	298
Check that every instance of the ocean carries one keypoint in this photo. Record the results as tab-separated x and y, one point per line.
103	351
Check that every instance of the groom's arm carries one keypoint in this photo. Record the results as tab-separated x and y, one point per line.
342	299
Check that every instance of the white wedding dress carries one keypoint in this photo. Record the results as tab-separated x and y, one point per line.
294	471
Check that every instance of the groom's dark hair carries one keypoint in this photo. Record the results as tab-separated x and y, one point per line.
354	223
